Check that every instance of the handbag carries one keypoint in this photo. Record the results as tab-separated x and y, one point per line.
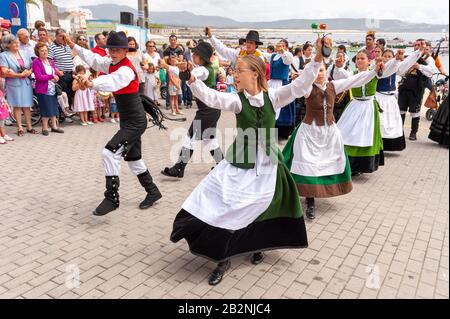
58	90
431	101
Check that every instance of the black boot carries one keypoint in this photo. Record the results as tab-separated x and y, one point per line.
153	193
311	208
217	155
111	201
257	258
217	275
178	169
414	128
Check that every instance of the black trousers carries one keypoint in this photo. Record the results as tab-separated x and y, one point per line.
65	82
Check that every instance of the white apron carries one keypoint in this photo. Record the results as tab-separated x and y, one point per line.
391	119
357	123
318	151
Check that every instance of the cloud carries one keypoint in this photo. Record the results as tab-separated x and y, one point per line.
430	11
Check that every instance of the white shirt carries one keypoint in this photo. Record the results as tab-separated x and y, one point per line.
226	52
110	82
153	60
280	97
28	48
339	73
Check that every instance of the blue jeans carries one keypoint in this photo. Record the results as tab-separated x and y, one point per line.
187	94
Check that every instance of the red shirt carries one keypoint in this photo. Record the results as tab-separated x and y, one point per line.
100	51
133	87
267	71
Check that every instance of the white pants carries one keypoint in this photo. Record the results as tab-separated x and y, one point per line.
112	161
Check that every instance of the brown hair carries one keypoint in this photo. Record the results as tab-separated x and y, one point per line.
366	52
80	68
257	65
39	45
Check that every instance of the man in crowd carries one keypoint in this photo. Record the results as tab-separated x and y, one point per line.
26	44
100	42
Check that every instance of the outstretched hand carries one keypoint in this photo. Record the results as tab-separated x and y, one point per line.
208	32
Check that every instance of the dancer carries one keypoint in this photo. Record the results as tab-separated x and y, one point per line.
249	203
251	46
123	80
360	122
338	71
412	88
440	126
315	153
203	127
390	118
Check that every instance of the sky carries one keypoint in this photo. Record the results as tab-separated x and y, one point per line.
430	11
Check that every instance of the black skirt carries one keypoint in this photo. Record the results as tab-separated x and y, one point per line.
394	144
439	130
369	164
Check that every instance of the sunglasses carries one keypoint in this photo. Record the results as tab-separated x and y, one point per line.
82	40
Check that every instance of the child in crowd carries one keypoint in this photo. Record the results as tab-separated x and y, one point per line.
221	84
83	102
100	99
151	82
114	111
230	81
174	88
4	114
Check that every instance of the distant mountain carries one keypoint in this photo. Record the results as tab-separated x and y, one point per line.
188	19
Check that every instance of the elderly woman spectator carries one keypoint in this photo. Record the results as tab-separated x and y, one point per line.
15	66
26	44
46	75
151	56
137	60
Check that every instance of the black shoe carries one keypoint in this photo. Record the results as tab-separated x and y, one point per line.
257	258
356	174
45	133
57	130
413	136
217	275
175	171
111	201
311	212
153	193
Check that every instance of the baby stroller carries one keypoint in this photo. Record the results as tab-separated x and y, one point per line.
437	95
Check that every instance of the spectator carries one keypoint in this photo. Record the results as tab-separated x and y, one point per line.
43	36
61	54
295	67
151	82
307	56
4	114
221	84
82	42
271	49
230	81
26	44
84	101
100	42
137	60
173	49
46	76
174	88
188	52
343	49
381	43
151	56
15	66
37	25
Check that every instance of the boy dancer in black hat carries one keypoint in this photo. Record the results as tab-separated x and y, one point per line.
121	79
204	124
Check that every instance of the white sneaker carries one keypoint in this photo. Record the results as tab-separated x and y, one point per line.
180	113
2	141
68	120
113	121
174	114
8	138
84	124
90	123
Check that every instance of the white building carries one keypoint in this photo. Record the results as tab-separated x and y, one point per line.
75	19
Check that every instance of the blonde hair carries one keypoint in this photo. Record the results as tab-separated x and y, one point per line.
256	64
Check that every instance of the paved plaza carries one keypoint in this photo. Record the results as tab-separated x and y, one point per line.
387	239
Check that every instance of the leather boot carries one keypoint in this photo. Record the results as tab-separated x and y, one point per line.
311	208
178	169
414	129
153	193
217	275
111	201
257	258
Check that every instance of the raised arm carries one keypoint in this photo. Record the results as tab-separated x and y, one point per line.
353	81
214	99
391	67
114	81
98	63
298	88
226	52
430	69
408	63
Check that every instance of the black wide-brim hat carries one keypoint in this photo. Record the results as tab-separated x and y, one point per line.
116	40
205	51
253	35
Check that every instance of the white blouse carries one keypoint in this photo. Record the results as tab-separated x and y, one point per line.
279	97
